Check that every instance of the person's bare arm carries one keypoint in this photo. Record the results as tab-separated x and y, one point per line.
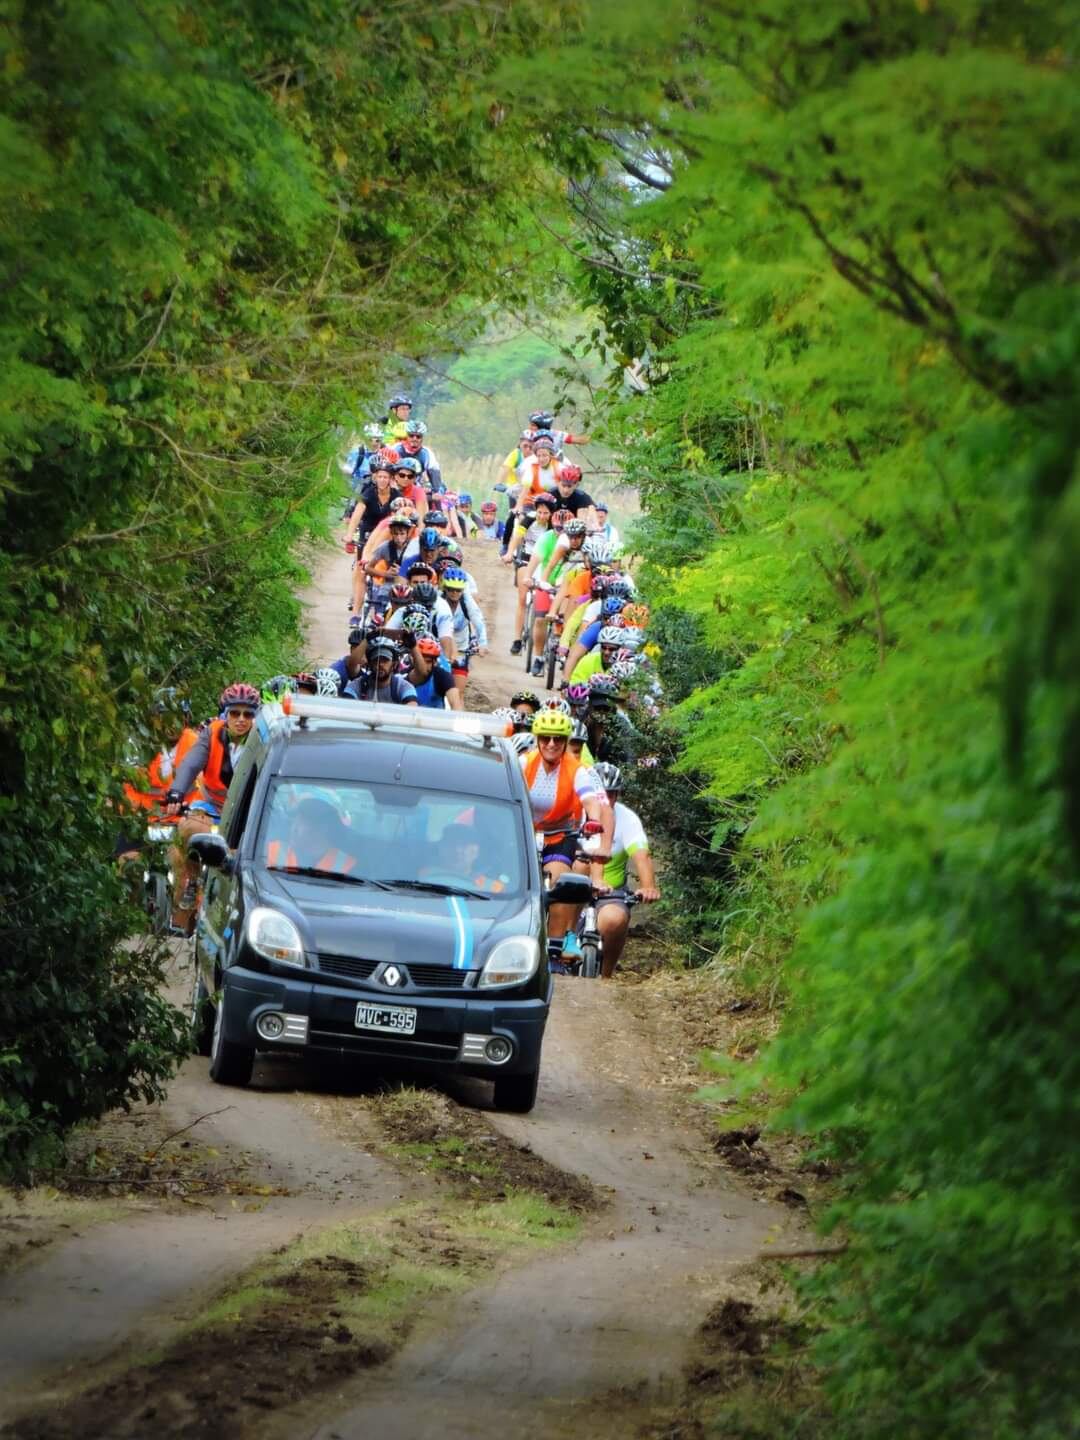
453	698
596	808
354	520
645	875
577	654
516	537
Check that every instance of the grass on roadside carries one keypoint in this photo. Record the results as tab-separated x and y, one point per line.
342	1298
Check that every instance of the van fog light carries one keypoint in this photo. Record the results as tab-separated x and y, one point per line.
498	1050
270	1026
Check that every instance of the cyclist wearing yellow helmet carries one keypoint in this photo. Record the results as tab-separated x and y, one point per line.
565	796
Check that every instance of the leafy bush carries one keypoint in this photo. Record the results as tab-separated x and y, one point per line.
198	289
875	431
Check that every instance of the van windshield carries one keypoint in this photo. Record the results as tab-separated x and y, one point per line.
393	835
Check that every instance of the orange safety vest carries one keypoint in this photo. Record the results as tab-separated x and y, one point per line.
153	796
566	811
325	862
211	785
493	887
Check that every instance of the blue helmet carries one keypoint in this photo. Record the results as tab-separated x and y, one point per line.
464	498
612	606
429	538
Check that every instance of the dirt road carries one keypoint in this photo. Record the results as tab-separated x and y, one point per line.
602	1324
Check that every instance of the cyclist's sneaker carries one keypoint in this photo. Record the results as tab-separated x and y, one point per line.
537	669
516	647
571	948
555	964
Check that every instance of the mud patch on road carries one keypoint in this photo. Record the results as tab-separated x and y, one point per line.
456	1147
748	1377
333	1304
216	1380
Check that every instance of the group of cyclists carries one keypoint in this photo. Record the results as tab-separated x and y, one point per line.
416	622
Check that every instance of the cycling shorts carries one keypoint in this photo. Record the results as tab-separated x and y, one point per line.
561	848
542	601
460	666
614	897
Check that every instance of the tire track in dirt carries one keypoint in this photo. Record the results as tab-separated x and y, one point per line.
613	1316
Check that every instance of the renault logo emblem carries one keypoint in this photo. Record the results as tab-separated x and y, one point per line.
392	975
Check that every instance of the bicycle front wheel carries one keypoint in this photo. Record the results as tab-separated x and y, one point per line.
590	959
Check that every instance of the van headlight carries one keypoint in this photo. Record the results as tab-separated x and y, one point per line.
274	936
511	962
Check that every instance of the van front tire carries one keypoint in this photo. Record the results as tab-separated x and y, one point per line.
517	1093
230	1064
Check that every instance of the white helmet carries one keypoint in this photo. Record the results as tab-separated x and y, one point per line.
556	702
631	637
598	550
505	713
522	742
327	682
611	635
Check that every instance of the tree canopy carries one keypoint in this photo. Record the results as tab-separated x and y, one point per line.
840	243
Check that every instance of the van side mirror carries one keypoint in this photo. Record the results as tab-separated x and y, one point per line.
211	850
569	889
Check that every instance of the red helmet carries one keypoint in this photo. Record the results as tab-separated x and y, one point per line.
570	472
239	694
560	518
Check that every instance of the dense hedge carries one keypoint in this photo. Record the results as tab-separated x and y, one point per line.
223	227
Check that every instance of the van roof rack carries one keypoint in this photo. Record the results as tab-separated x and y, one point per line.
467	724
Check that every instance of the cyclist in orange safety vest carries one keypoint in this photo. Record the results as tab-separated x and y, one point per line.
565	796
209	762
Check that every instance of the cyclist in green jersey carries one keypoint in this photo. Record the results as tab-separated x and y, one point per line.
549	561
629	849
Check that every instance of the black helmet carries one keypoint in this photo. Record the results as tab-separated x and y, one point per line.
381	646
542	419
525	697
425	594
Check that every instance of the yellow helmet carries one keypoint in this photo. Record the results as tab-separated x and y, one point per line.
552	722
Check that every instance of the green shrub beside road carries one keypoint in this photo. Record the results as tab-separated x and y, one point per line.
209	228
858	458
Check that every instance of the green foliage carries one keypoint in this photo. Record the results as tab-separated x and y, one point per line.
864	486
221	224
489	390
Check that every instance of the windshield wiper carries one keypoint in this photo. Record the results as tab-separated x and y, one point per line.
312	872
434	887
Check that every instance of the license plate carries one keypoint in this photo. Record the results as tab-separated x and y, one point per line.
391	1019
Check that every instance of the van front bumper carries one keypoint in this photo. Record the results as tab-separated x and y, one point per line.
451	1031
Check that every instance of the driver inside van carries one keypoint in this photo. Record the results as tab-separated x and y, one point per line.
459	847
317	840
